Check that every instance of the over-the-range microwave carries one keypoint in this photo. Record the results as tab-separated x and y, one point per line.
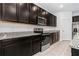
41	20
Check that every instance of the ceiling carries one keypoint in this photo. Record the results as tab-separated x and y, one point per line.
55	7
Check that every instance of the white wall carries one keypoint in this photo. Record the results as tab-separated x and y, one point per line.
64	23
16	27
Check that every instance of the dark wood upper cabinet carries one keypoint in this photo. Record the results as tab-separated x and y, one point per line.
51	20
10	12
0	11
48	18
0	48
42	12
33	13
75	19
39	11
24	12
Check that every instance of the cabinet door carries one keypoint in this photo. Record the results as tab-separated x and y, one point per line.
54	37
33	13
0	11
17	47
11	50
24	12
51	39
41	12
51	20
72	19
9	12
48	19
36	44
11	47
55	21
74	52
57	36
26	46
44	15
0	48
75	19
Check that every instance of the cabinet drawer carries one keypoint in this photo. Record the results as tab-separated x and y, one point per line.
75	52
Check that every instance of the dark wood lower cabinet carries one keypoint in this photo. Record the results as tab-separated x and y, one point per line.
17	47
54	37
0	48
25	46
36	45
12	50
74	52
26	49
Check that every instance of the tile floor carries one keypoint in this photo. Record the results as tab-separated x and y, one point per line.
60	48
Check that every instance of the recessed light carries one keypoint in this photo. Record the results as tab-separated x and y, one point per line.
43	13
61	6
34	8
21	4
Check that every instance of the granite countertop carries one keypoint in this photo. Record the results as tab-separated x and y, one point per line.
51	31
75	46
75	41
9	35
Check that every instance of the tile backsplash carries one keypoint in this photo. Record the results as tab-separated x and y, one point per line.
15	27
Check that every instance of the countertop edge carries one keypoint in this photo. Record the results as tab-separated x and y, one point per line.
10	35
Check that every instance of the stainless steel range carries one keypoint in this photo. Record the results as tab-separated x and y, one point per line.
45	38
45	41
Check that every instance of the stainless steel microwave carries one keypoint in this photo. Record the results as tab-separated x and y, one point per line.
41	20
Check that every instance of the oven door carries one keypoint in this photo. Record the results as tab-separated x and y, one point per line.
45	42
